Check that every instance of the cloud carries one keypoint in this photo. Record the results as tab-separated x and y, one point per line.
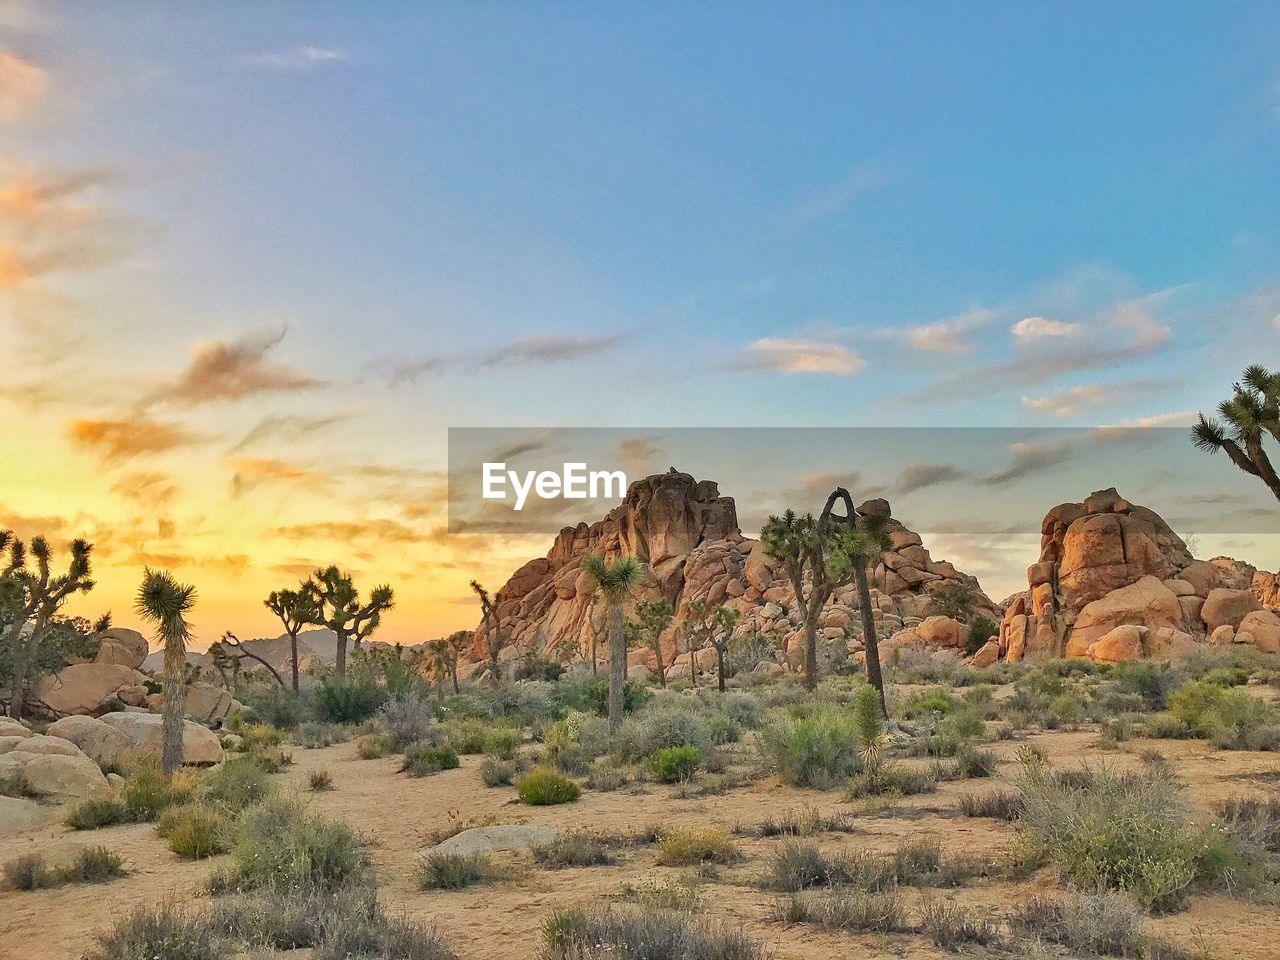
1069	403
400	373
147	488
1036	328
22	85
918	476
948	336
1028	459
300	59
287	427
115	441
382	531
795	356
1178	418
536	351
252	472
221	370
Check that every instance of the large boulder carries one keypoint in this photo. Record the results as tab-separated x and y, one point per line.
1146	603
84	687
942	632
205	702
56	777
1226	606
100	741
122	646
40	743
1115	646
13	728
144	732
1264	627
497	838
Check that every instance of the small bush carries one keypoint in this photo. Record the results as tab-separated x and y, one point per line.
596	692
423	759
270	759
453	871
352	701
95	812
501	742
314	735
879	912
951	926
1102	924
373	746
406	721
194	831
89	865
235	784
676	764
806	823
279	844
573	850
974	763
28	872
641	933
320	781
498	773
998	804
886	779
545	787
258	735
148	792
659	726
277	706
819	751
162	932
696	845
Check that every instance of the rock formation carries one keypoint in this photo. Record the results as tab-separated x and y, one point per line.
687	535
1114	582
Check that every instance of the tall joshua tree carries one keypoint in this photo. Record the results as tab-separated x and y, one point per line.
709	623
616	580
1242	423
867	542
829	551
32	595
445	652
492	635
164	602
295	609
338	607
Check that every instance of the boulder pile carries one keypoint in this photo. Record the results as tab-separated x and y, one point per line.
1114	582
688	537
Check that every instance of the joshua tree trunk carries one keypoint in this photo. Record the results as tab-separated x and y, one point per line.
617	668
175	702
811	645
870	642
293	658
720	665
26	654
657	660
595	667
453	674
340	657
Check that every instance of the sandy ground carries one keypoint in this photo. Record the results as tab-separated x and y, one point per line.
503	919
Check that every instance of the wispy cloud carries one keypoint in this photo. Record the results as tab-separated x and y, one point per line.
147	488
1028	459
287	427
299	59
836	197
798	356
918	476
536	351
252	472
1087	396
221	370
117	441
23	84
949	336
1029	329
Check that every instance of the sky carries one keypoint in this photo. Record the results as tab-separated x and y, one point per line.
255	261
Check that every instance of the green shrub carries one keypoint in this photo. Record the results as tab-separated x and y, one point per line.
575	742
147	792
1230	718
255	735
886	778
544	787
88	865
422	759
595	690
95	812
351	701
676	764
194	831
642	933
659	726
501	742
974	763
817	751
372	746
316	734
981	629
320	781
277	706
235	784
280	843
453	871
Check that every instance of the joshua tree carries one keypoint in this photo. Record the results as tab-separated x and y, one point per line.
616	580
295	609
1254	409
164	602
492	635
653	617
338	607
831	551
722	619
445	653
867	540
34	596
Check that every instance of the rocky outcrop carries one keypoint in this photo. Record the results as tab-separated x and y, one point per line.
144	733
84	688
49	768
1114	582
100	741
687	535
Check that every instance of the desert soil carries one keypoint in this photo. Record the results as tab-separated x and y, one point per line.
398	815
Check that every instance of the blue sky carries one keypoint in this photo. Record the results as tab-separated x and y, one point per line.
659	214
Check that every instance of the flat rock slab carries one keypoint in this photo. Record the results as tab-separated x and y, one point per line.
18	815
496	839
